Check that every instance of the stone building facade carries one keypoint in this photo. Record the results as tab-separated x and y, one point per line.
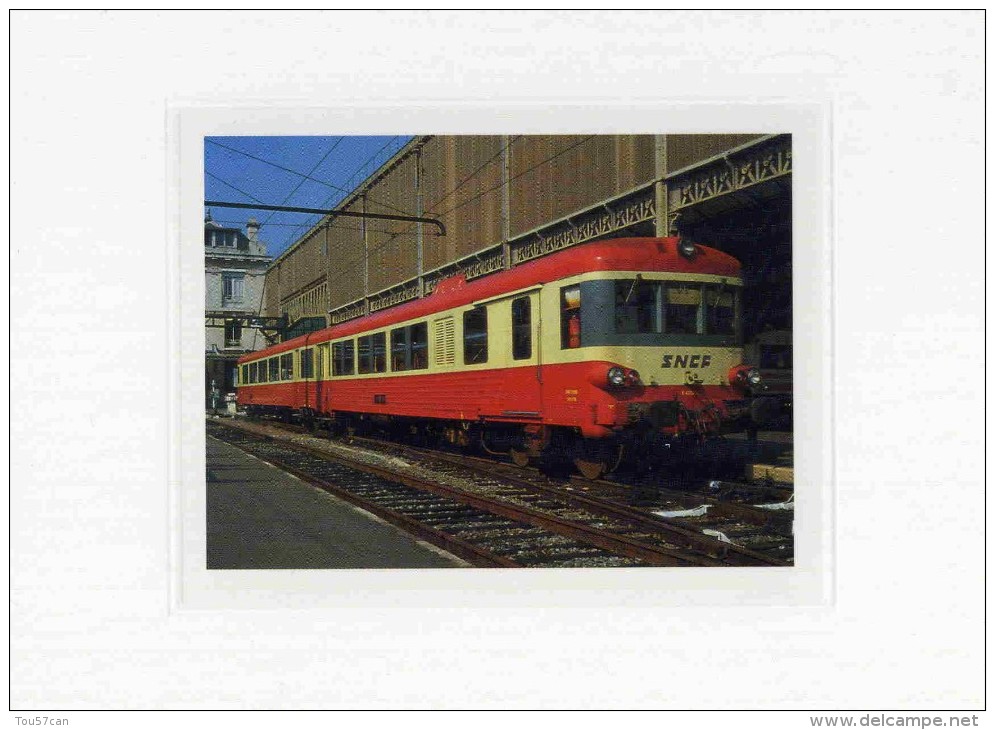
235	264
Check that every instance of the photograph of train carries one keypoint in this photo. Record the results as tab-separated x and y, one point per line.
499	351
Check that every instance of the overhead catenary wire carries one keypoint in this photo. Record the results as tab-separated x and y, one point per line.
309	176
393	236
348	264
348	191
304	179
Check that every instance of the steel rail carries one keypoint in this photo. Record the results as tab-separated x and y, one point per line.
674	531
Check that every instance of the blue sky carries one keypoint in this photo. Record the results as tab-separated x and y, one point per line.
276	171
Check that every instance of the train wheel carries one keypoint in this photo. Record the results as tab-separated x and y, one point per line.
590	469
595	461
519	458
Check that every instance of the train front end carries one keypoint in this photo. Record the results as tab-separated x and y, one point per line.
661	351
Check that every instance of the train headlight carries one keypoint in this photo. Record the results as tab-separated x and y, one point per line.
686	248
744	376
616	376
632	378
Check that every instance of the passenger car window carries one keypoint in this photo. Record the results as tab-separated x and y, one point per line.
475	336
521	328
373	353
307	363
344	358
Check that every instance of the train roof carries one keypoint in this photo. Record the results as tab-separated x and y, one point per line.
616	254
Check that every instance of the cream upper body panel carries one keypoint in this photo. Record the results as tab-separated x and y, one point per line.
526	335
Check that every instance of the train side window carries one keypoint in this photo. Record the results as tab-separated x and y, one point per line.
344	358
419	346
400	354
274	369
253	372
373	353
521	328
570	317
261	371
307	363
475	336
287	366
380	352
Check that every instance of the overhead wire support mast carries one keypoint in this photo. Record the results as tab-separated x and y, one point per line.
324	211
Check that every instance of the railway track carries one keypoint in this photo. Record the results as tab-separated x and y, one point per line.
492	514
718	511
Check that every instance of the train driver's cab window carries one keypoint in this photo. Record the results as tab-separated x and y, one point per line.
307	363
475	336
638	306
570	317
373	353
243	375
521	328
720	303
274	369
287	366
344	358
683	311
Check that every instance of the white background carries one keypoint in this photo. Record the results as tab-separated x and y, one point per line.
92	623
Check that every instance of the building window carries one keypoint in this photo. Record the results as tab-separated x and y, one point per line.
233	333
233	287
521	329
373	353
475	336
344	358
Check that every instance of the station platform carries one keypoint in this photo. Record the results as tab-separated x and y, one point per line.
770	458
261	517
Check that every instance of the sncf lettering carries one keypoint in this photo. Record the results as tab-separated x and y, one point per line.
686	361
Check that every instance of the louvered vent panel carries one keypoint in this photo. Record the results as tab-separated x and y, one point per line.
445	341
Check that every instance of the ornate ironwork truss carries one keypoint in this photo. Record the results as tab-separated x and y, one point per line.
738	170
586	226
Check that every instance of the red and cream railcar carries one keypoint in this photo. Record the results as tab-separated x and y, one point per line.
612	343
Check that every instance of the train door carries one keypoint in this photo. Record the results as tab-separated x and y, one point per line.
320	360
525	354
